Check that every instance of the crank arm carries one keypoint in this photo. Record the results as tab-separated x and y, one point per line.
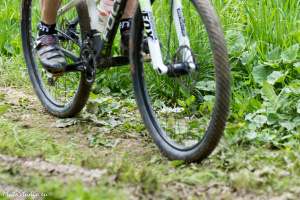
76	67
110	62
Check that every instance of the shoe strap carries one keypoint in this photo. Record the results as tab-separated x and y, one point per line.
46	40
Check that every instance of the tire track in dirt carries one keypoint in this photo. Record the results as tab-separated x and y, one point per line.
14	97
63	172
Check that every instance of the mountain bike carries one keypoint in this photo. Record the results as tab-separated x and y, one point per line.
182	93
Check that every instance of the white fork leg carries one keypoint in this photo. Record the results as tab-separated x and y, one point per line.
153	42
181	32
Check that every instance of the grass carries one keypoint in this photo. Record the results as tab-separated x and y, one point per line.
258	156
9	33
54	189
257	168
13	72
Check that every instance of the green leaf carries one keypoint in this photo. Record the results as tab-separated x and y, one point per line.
63	123
105	91
275	77
297	121
236	42
288	125
160	104
93	96
272	118
251	135
248	56
298	107
206	86
92	107
2	96
268	93
9	48
297	67
260	120
181	103
290	54
209	98
274	55
4	108
190	100
293	87
177	163
260	73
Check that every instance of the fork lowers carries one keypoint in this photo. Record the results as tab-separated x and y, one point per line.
178	69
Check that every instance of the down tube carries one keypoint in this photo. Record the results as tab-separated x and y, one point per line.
153	42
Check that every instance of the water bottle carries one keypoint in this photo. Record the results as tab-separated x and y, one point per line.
105	7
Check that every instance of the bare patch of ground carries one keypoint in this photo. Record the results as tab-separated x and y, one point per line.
87	176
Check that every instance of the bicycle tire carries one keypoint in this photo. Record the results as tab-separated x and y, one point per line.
80	98
221	108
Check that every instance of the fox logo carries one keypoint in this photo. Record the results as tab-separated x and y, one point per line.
149	25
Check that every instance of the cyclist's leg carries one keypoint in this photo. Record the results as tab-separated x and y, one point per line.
49	11
126	24
130	9
50	55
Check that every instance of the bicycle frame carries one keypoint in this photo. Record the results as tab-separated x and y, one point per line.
149	26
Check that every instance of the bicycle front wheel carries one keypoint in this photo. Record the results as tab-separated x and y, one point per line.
186	114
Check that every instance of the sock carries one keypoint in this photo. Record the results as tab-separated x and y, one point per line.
45	29
125	24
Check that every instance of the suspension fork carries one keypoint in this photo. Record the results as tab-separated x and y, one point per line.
152	38
182	33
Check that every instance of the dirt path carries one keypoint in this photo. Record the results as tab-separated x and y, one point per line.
87	176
